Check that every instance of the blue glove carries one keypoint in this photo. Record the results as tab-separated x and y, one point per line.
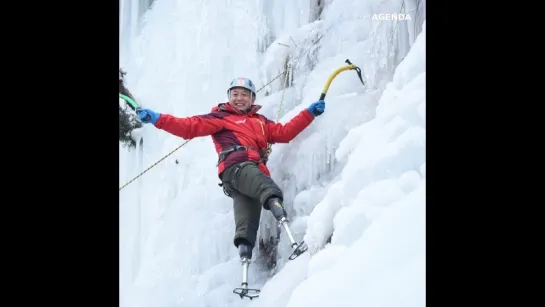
317	108
147	116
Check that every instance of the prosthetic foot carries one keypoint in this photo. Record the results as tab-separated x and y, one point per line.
280	214
245	252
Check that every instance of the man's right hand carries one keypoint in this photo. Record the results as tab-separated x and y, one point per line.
147	116
317	108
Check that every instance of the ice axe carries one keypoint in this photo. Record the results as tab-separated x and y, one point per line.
350	66
133	105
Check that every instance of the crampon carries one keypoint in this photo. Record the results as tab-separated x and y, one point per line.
298	249
244	291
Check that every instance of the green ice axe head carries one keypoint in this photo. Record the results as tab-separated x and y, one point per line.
133	105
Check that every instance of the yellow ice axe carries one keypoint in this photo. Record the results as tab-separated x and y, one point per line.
350	66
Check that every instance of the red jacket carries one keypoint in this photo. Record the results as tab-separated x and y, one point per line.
229	127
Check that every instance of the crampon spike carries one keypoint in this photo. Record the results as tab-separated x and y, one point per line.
298	249
244	291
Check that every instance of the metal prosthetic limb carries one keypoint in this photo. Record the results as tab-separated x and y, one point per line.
298	249
244	291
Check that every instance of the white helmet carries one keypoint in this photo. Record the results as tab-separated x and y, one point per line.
242	82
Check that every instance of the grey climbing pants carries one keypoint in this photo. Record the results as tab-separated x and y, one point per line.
250	189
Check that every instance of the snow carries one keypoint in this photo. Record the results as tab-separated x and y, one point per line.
354	180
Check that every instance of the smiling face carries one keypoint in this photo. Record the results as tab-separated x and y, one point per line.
241	98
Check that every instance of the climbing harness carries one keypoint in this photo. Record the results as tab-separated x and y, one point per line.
264	154
223	155
232	179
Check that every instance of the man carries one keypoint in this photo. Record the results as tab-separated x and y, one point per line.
241	137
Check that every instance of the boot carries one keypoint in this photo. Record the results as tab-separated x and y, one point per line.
245	251
277	209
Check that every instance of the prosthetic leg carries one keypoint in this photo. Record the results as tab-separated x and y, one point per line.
280	214
245	252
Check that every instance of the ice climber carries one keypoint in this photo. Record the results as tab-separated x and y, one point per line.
241	137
